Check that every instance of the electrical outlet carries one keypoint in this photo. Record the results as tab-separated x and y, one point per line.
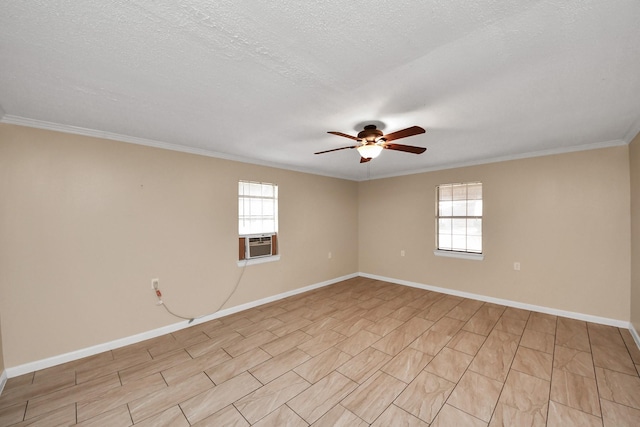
402	252
516	266
155	283
330	255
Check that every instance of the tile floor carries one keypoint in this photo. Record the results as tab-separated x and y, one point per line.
357	353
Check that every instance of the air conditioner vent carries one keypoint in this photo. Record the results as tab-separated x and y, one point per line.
258	246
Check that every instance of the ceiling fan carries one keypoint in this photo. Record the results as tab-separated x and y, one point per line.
372	142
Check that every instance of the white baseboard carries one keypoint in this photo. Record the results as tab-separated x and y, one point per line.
634	334
90	351
3	380
570	314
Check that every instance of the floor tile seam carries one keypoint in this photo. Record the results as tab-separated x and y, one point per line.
618	403
150	416
333	406
400	351
310	356
467	369
550	386
24	412
632	359
595	376
578	409
264	385
486	376
301	417
433	373
80	401
334	370
618	372
285	373
75	400
10	381
546	414
117	371
237	410
531	375
571	373
244	352
126	404
285	350
201	371
614	346
510	363
610	368
198	394
461	410
405	385
220	333
542	379
517	318
98	414
40	416
381	413
498	400
387	408
393	376
32	397
17	405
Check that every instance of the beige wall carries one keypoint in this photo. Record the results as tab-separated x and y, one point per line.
634	155
565	218
86	223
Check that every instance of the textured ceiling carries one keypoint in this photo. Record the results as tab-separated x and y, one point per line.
263	81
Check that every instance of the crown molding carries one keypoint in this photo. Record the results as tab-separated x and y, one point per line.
634	130
57	127
41	124
531	154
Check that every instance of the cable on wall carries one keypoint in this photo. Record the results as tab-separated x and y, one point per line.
191	319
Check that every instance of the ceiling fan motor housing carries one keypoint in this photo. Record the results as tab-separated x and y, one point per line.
370	134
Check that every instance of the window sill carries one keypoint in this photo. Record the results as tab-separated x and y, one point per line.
262	260
461	255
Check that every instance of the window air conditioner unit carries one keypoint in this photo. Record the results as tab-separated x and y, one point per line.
258	246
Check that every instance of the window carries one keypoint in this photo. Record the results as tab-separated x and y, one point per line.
257	208
257	216
459	218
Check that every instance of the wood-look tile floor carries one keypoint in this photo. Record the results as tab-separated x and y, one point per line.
360	352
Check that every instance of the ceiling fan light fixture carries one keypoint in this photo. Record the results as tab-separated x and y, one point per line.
369	151
371	141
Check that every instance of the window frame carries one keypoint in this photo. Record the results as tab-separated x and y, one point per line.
275	255
457	253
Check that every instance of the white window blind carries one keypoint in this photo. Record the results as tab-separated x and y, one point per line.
459	217
257	208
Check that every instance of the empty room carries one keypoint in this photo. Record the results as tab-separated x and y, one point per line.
388	213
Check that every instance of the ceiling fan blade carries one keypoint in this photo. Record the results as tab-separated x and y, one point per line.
365	159
335	149
344	134
405	148
413	130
